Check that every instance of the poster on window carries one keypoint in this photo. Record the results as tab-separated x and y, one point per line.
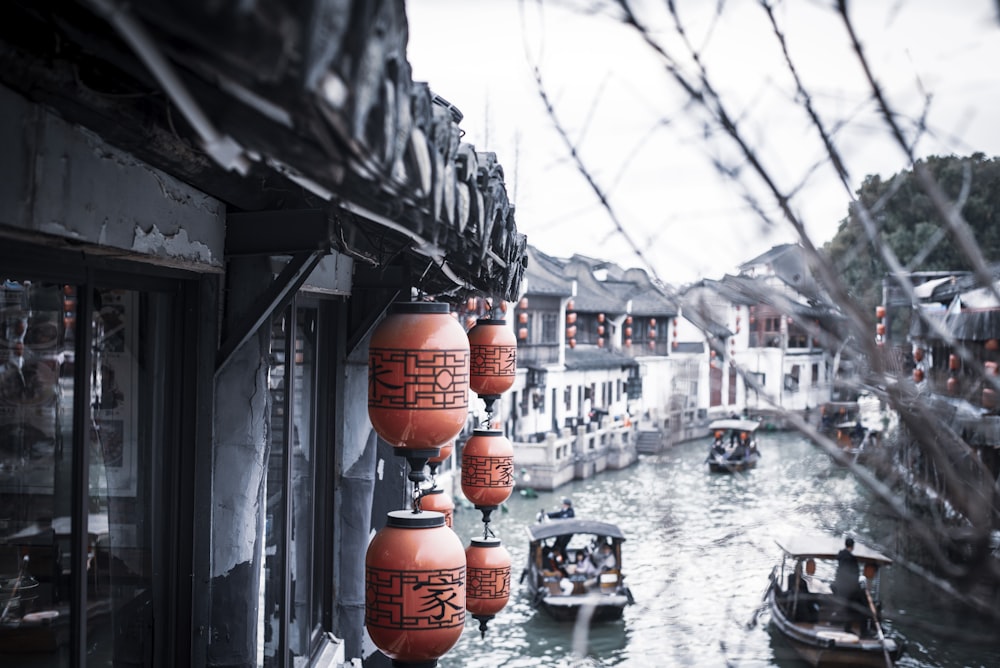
114	395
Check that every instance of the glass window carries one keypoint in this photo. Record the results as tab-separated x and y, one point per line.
289	616
84	415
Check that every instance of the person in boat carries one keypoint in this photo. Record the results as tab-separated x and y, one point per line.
603	560
565	511
718	447
801	602
742	448
846	584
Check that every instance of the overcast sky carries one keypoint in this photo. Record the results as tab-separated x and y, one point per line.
647	145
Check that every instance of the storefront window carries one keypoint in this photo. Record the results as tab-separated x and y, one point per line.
78	466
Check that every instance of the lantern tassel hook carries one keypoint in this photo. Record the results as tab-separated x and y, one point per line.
483	621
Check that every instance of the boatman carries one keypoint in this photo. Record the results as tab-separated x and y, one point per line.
565	511
845	584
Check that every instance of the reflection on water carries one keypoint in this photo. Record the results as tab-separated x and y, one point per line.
699	550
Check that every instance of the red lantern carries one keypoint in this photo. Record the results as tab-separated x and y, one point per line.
522	318
571	332
652	345
443	453
652	332
487	469
992	345
918	375
522	333
493	357
600	330
652	322
628	331
572	343
879	312
880	329
628	320
628	343
570	318
600	341
953	362
600	317
952	385
569	305
523	304
415	591
418	376
438	500
918	354
488	588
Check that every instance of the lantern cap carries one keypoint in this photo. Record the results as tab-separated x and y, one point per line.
407	519
419	307
491	321
487	432
482	541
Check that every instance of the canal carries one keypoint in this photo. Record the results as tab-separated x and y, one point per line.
699	550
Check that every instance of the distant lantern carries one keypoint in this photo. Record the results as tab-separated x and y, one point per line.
880	329
600	317
572	343
652	332
672	345
952	385
415	588
652	345
438	500
628	343
418	376
444	452
600	341
571	332
493	359
471	304
918	375
652	322
953	362
523	304
918	354
487	469
992	345
600	330
879	312
628	320
570	318
522	333
628	331
488	583
569	305
522	318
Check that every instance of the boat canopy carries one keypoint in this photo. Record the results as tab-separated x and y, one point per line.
573	525
827	547
735	424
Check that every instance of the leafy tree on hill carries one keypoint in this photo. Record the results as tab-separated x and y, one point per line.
909	224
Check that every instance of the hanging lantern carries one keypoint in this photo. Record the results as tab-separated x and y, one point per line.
415	591
918	375
488	583
523	304
571	331
570	318
652	332
952	385
918	354
600	341
953	362
879	312
470	304
991	368
880	329
628	331
652	322
438	500
569	305
600	330
992	345
600	317
418	376
522	333
487	469
652	345
493	359
674	345
628	343
522	318
628	320
572	343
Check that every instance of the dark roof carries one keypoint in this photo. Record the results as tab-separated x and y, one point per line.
827	547
545	275
573	525
591	357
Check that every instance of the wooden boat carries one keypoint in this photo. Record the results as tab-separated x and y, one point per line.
733	447
812	619
559	579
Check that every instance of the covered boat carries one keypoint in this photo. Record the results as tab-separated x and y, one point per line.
807	612
574	569
734	445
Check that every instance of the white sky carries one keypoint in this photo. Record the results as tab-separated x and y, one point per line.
645	143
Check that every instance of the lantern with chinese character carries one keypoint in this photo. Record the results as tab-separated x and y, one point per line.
415	588
493	360
418	376
487	470
488	583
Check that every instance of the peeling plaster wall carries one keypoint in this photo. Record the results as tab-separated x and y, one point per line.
65	181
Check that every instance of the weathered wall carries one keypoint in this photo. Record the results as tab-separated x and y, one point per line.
65	181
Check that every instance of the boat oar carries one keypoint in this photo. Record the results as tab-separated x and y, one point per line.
878	628
770	583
